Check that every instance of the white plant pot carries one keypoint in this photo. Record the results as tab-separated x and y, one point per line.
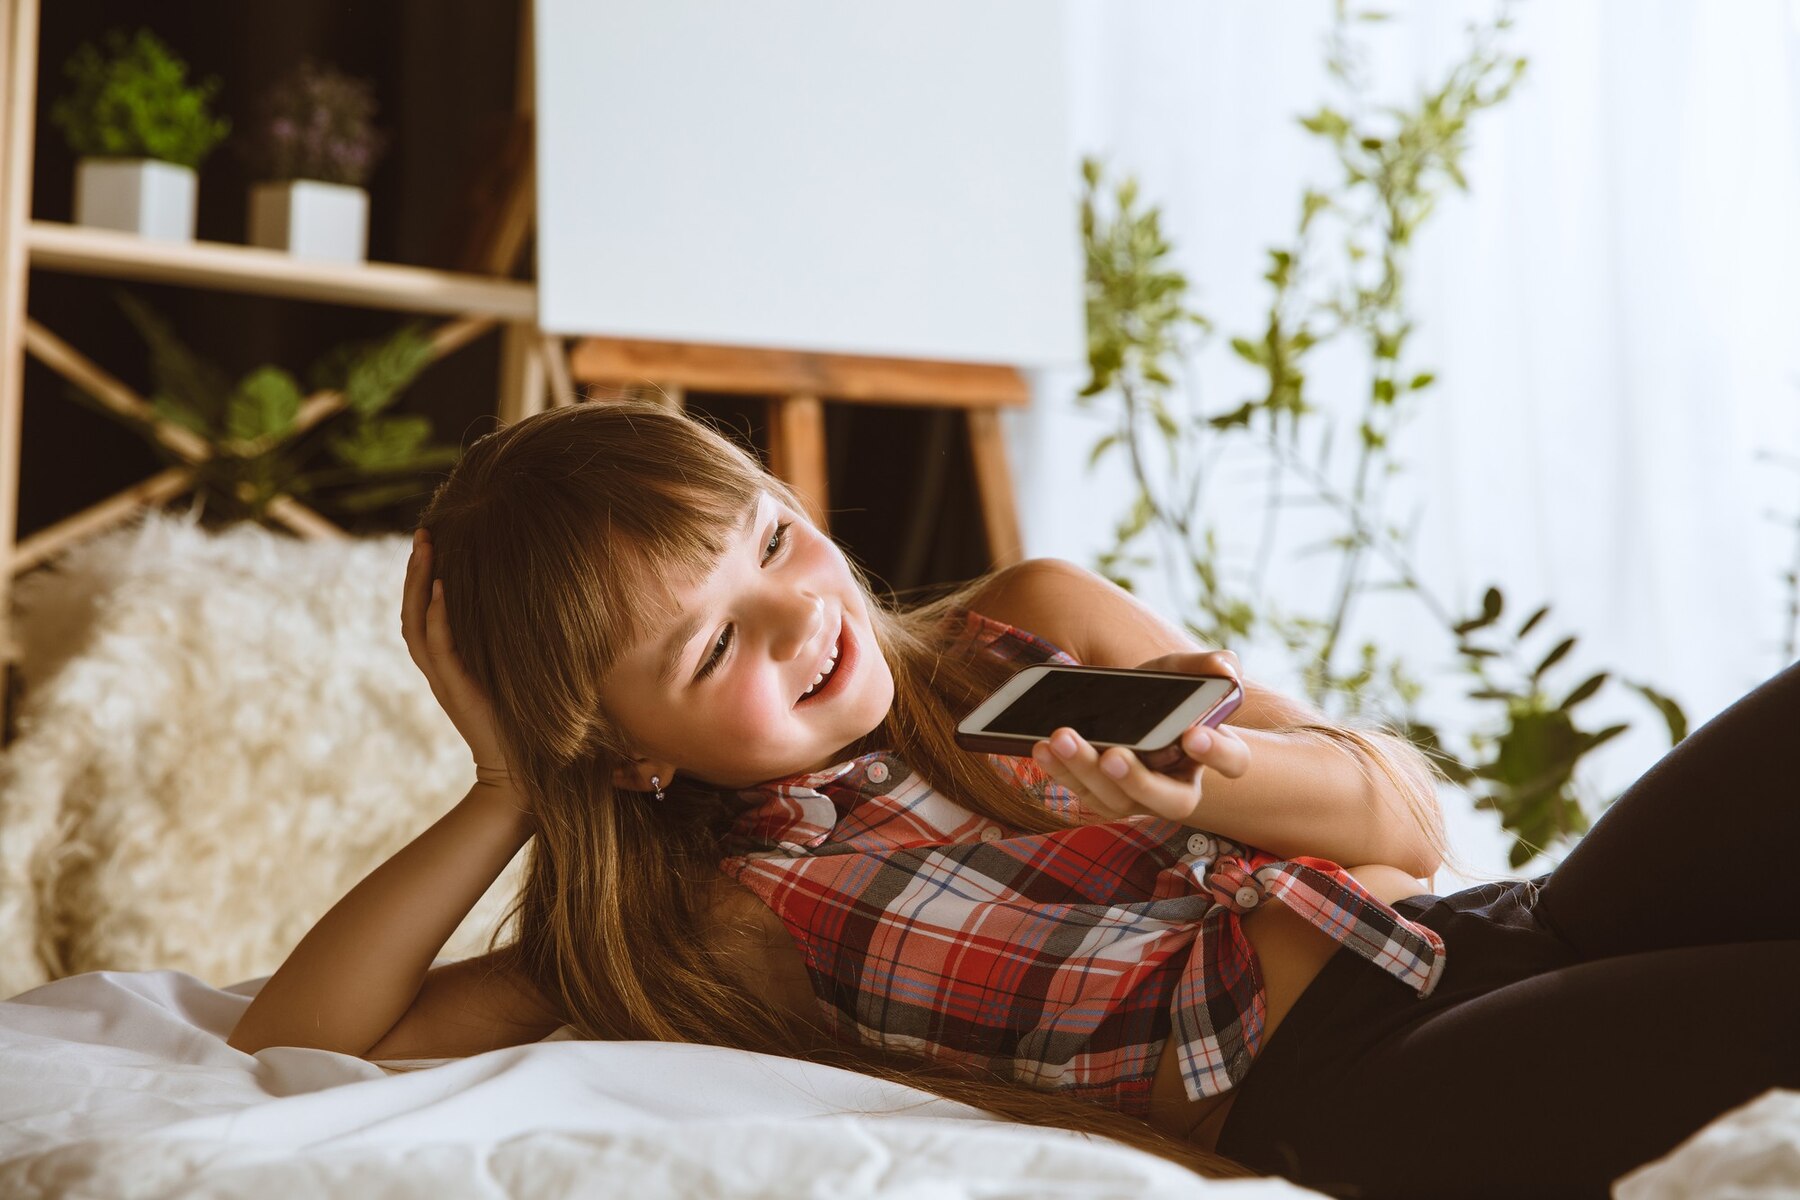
309	219
139	195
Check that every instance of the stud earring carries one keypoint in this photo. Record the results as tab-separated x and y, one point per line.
656	788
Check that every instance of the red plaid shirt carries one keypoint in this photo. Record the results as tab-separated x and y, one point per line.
1059	960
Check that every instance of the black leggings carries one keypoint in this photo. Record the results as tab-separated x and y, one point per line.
1582	1027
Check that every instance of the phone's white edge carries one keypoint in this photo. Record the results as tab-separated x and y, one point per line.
1001	700
1209	695
1205	698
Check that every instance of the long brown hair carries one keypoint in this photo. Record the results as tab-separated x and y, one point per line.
554	537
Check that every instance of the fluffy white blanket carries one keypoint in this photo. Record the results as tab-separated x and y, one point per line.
220	734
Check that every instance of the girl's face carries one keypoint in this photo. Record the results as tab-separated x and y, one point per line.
726	691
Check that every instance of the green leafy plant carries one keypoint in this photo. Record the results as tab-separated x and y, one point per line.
134	101
262	449
316	123
1520	757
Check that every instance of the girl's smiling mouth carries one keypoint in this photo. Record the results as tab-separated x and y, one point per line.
829	679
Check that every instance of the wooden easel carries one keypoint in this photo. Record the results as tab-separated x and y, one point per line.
797	385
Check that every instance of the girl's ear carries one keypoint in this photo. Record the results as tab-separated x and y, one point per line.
636	775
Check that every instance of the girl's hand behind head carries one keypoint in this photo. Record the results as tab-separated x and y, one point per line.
1118	784
425	624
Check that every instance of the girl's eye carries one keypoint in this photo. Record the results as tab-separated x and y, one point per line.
718	653
776	541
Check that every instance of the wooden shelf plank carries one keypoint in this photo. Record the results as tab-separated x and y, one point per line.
56	246
756	370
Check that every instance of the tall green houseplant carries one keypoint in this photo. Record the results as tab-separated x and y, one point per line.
1341	279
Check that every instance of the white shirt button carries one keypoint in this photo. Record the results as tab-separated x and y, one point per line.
1247	897
990	833
1200	846
878	772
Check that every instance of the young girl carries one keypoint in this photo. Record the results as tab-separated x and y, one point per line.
749	826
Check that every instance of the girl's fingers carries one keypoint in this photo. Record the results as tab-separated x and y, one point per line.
1135	788
437	624
415	596
449	678
1103	801
1198	662
1222	749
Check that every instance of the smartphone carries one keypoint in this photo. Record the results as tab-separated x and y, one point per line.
1144	711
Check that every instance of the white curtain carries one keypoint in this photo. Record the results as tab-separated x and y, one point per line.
1611	312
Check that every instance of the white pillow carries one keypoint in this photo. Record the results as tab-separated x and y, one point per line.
219	735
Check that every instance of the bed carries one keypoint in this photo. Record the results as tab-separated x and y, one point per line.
220	733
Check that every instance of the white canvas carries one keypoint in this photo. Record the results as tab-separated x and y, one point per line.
872	179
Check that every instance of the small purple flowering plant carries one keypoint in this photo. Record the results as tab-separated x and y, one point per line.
315	123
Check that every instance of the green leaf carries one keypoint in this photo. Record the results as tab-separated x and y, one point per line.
187	380
1671	712
263	406
1605	735
1327	122
1491	604
382	443
1250	351
375	374
1531	622
1237	416
1587	689
1421	381
1555	656
1492	694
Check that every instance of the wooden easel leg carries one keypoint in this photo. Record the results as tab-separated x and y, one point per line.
797	450
556	370
993	486
522	381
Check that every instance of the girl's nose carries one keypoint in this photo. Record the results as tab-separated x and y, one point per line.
797	619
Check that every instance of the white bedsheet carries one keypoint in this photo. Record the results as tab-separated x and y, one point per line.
121	1084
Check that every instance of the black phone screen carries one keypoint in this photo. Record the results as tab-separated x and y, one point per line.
1101	708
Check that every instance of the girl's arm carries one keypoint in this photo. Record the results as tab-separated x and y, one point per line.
357	982
359	971
1304	795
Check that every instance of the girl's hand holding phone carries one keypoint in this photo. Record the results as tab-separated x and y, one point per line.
425	624
1116	783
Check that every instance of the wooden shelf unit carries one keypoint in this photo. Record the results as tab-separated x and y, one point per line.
56	246
471	303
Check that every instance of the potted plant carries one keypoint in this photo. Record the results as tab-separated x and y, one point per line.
313	145
264	446
139	131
